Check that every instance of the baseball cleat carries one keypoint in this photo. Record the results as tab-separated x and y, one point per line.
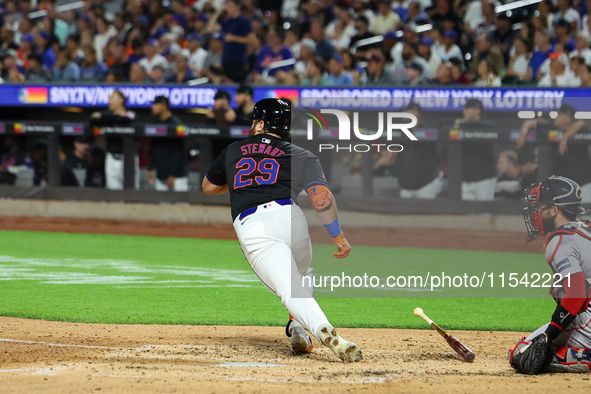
347	351
300	342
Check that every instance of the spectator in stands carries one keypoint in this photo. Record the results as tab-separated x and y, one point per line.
484	50
7	38
182	73
216	76
562	36
36	71
75	161
543	51
238	34
120	64
560	73
214	54
197	54
9	61
27	48
43	41
350	66
158	75
569	160
581	70
448	48
444	75
65	69
409	55
273	52
137	74
11	157
432	58
292	40
458	76
478	162
137	50
336	72
582	43
221	113
116	115
73	47
362	26
152	57
487	75
416	13
414	75
545	13
340	30
387	19
90	68
503	35
565	11
376	73
105	31
315	73
245	104
509	182
519	62
307	49
323	48
167	169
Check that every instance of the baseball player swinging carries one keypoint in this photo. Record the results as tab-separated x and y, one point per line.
263	174
564	344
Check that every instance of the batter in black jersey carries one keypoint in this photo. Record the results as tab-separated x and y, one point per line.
264	174
264	168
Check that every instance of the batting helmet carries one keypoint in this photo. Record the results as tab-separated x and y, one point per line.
556	190
276	114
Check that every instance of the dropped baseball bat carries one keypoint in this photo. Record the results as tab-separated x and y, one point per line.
463	350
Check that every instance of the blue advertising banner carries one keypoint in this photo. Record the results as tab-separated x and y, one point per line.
359	99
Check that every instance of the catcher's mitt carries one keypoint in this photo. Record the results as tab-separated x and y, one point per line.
533	357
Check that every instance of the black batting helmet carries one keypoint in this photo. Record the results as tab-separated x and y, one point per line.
563	192
276	114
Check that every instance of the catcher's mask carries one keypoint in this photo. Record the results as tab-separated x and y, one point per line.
556	190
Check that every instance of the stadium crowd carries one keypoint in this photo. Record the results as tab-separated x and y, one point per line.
321	42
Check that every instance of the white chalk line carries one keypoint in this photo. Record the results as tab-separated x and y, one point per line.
149	346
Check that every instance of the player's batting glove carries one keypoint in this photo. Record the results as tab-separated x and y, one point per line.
533	358
342	245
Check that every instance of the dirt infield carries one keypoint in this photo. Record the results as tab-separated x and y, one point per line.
59	357
66	357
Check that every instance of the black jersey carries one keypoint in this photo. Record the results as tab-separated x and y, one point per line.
264	168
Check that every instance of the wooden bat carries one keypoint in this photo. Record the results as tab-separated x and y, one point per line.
463	350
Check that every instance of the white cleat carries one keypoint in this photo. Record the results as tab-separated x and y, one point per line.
300	342
347	351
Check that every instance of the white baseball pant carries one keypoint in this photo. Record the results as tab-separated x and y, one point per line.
276	244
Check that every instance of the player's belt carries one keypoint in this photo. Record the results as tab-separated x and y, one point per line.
250	211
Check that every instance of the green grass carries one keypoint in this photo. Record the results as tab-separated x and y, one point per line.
132	279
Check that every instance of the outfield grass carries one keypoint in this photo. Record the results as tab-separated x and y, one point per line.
133	279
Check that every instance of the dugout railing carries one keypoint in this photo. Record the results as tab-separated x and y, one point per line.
206	135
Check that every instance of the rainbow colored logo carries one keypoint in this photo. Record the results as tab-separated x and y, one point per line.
315	117
32	95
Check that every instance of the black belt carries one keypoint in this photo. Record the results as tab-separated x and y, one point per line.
250	211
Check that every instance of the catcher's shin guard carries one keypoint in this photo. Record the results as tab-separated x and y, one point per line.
570	359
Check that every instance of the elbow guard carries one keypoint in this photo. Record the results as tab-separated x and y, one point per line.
320	196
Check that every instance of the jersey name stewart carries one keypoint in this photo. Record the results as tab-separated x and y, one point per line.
264	168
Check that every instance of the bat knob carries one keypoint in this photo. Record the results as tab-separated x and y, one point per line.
418	311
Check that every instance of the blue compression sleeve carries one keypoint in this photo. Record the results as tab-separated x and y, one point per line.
334	229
